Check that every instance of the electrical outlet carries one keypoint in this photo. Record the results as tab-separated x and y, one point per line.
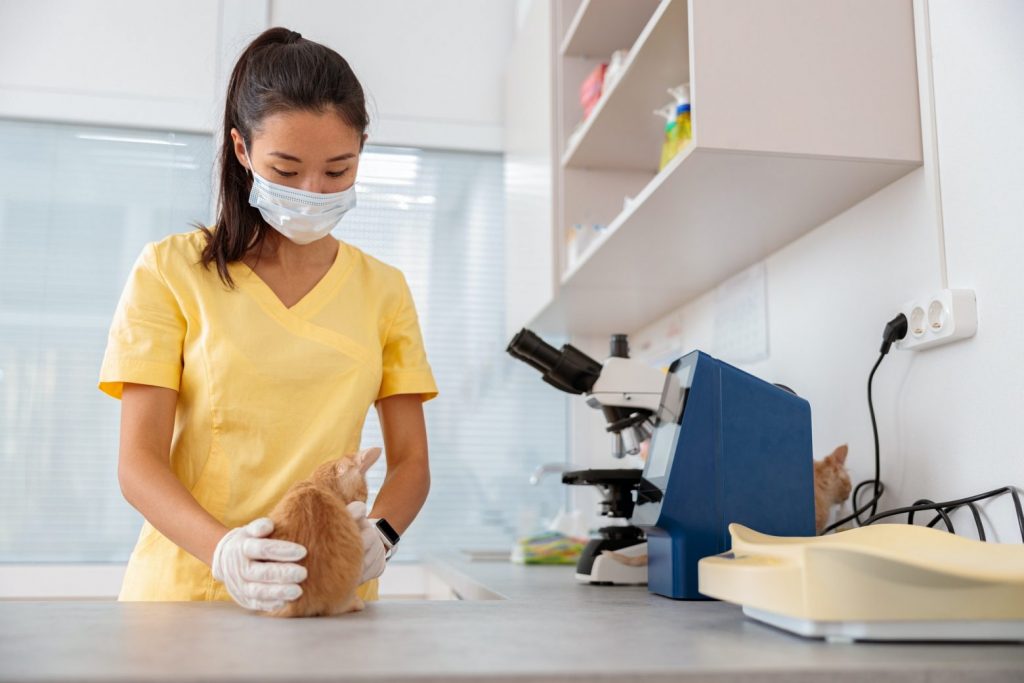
944	316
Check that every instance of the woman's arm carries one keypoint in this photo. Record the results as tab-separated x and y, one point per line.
405	442
145	476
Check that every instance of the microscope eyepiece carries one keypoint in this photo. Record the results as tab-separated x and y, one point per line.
568	369
531	349
619	346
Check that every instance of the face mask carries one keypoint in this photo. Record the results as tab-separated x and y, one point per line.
301	216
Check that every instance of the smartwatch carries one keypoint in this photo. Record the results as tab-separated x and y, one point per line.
389	536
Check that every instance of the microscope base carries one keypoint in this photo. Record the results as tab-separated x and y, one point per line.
609	571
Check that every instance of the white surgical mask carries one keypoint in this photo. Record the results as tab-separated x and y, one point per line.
301	216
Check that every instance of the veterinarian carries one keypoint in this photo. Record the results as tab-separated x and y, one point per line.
247	353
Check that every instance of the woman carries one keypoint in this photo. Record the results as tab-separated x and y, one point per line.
237	381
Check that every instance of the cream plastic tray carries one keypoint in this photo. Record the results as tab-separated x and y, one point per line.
880	582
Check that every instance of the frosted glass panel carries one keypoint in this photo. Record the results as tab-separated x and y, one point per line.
438	216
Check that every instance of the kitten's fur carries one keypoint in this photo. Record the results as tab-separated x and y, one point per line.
831	485
313	513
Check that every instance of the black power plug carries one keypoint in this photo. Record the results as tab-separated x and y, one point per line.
895	330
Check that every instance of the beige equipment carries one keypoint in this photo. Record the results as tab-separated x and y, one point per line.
879	582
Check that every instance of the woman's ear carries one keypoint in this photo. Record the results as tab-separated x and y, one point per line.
238	144
366	458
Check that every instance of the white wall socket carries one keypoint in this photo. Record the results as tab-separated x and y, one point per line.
942	317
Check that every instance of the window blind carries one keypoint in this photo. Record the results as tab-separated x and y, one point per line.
78	203
439	217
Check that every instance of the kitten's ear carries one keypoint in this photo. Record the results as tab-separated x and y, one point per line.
839	454
365	458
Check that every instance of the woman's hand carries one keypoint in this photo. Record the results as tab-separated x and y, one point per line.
259	572
373	544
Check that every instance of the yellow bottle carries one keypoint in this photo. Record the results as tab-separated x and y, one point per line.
668	145
683	128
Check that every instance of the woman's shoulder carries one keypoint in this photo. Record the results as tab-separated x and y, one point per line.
178	253
371	269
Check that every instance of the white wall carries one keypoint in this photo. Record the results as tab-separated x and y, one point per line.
529	165
948	417
433	70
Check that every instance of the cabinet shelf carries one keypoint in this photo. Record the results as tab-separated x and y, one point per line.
600	27
622	131
709	214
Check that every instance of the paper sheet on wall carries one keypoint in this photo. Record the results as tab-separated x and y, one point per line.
741	317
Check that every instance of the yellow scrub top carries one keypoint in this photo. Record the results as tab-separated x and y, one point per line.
265	392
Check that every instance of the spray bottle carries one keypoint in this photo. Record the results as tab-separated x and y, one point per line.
668	146
683	129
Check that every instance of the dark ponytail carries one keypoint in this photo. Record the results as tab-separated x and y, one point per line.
279	71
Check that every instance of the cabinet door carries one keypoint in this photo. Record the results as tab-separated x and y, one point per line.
118	63
529	170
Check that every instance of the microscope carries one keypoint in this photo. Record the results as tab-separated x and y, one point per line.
628	393
725	447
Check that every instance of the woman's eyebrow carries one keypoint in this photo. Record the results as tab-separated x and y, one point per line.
289	157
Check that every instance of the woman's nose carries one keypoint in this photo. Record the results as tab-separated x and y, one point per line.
314	184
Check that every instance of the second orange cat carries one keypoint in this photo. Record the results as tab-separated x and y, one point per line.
831	485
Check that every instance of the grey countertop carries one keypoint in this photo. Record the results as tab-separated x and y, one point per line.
549	628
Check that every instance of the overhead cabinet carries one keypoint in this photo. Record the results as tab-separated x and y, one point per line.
799	110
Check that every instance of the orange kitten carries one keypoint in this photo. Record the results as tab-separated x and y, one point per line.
313	513
831	485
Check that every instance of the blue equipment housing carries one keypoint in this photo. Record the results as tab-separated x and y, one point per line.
727	447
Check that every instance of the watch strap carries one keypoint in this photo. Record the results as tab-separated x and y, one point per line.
388	535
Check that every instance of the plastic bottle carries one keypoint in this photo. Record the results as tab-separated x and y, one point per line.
684	130
668	146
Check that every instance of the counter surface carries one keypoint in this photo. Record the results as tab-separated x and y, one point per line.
549	628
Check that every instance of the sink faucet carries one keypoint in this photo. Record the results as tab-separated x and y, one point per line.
545	469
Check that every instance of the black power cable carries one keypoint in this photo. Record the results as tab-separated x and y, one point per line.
876	483
895	330
948	506
874	431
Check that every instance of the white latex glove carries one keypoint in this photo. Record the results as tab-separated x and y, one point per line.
260	573
373	544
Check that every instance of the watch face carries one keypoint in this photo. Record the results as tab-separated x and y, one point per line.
388	531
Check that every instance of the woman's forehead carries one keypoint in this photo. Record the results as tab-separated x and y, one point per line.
307	136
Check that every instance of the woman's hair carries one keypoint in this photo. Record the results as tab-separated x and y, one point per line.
279	71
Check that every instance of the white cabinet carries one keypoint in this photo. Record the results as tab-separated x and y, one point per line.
800	109
112	62
530	161
431	70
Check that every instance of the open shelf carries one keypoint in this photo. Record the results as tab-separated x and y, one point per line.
793	123
709	214
622	131
602	26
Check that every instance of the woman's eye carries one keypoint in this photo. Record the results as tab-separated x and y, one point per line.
284	174
337	174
